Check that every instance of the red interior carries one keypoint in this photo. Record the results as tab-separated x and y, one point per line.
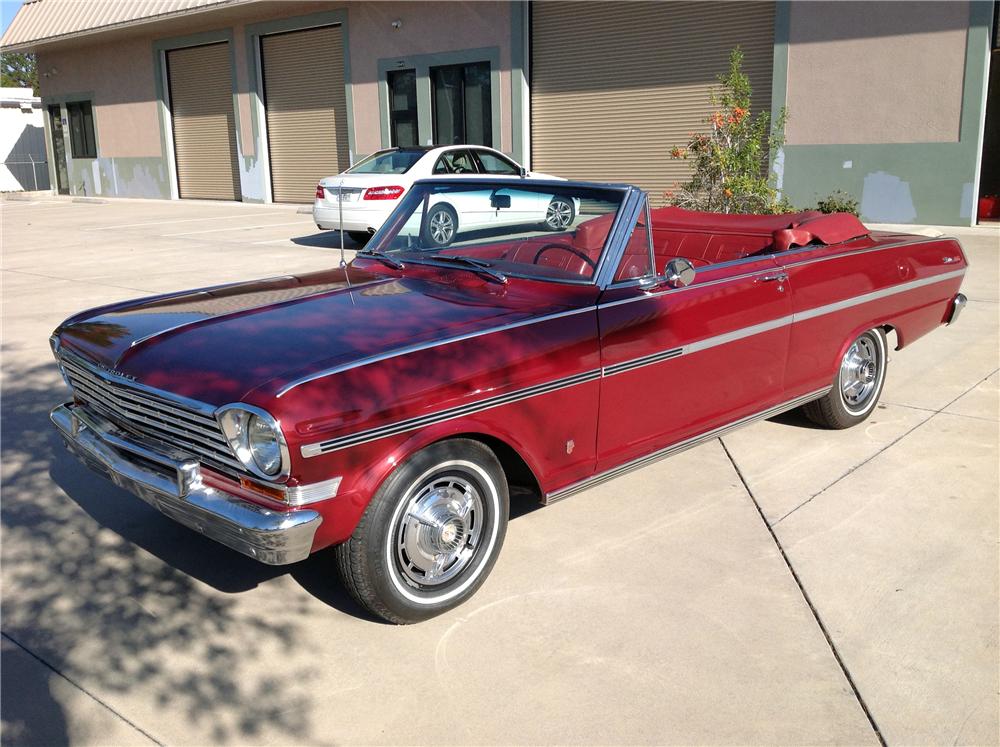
702	238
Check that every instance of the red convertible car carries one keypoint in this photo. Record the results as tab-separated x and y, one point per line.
387	407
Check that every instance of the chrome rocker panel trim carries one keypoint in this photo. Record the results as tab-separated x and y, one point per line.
171	482
678	447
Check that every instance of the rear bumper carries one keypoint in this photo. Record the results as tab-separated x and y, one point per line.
956	307
354	219
172	483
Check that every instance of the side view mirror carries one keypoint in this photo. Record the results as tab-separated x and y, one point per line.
678	273
499	201
522	172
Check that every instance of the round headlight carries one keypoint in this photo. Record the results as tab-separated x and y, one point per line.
255	439
265	446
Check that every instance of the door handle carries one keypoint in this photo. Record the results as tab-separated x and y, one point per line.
779	276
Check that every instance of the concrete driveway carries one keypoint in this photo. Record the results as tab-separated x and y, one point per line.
786	585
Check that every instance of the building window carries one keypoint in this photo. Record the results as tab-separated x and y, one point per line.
462	104
81	129
403	108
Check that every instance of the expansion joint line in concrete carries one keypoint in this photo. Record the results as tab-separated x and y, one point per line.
808	600
892	443
82	689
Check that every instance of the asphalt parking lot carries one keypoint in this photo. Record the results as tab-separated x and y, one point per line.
786	585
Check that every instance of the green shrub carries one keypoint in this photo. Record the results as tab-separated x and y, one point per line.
731	172
839	202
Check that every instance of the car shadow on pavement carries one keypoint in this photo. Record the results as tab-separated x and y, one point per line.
104	589
326	240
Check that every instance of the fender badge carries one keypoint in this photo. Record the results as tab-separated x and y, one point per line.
570	445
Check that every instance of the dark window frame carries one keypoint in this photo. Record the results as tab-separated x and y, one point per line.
487	121
477	152
82	136
408	116
454	154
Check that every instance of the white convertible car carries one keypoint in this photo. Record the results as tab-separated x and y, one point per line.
370	191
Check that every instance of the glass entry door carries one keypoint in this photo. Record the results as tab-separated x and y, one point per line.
462	104
403	108
58	149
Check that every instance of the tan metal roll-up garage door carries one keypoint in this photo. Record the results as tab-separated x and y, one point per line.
306	110
615	86
201	102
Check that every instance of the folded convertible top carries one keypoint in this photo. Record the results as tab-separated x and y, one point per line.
787	230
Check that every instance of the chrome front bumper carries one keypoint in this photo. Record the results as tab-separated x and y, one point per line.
171	482
956	308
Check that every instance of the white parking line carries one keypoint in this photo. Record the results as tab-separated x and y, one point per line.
163	222
43	206
236	228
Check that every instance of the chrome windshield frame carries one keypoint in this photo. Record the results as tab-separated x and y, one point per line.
614	244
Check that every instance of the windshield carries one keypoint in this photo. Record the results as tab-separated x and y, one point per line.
388	162
542	231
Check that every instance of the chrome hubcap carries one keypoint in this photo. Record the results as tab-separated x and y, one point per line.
442	227
859	372
439	530
559	214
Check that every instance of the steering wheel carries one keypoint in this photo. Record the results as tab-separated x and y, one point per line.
566	248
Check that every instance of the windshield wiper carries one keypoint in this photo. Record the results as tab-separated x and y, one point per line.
383	258
480	266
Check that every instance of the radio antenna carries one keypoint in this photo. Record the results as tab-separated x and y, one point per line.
340	205
343	262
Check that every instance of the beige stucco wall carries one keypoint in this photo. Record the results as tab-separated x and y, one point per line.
120	77
427	27
875	72
119	70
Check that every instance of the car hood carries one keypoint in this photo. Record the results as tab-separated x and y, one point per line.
218	345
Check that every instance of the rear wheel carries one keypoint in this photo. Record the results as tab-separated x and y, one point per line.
559	214
359	237
857	386
431	534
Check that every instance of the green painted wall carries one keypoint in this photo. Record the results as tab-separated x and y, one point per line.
102	176
931	183
119	177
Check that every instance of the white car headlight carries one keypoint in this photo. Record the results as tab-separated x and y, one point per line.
256	439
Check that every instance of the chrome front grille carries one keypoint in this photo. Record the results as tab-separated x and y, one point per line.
145	413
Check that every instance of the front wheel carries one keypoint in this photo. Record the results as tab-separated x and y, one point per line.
359	237
857	386
431	534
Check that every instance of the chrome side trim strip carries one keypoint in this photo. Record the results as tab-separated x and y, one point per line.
778	265
647	360
680	446
427	345
668	291
738	334
422	421
391	429
756	329
875	295
853	252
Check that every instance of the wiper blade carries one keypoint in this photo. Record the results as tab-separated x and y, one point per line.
383	258
480	266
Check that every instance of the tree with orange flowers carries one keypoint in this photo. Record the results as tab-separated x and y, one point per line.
731	160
